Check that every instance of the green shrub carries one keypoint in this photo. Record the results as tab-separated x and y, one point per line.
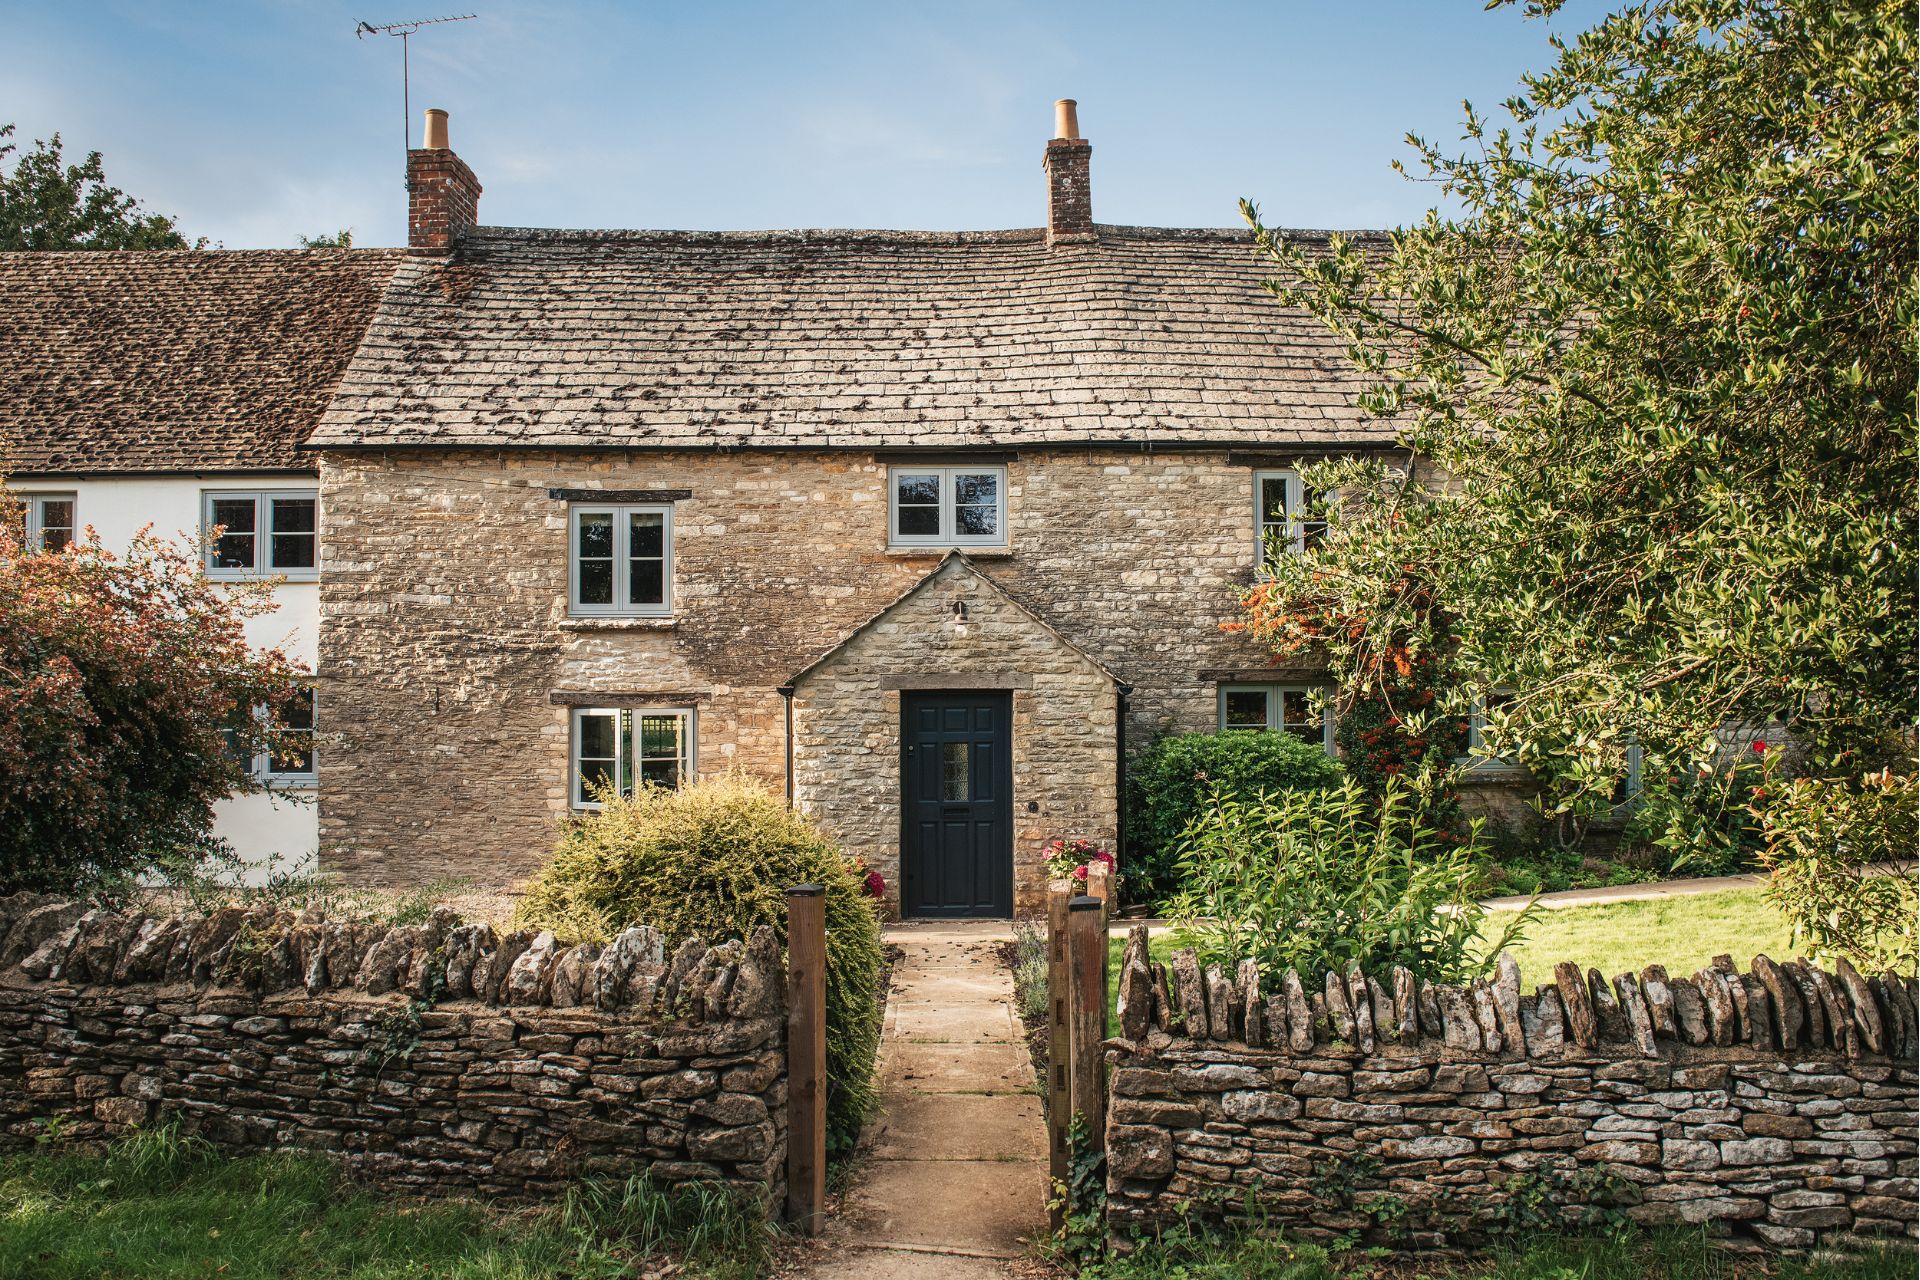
1702	824
1319	879
1841	852
713	861
1173	779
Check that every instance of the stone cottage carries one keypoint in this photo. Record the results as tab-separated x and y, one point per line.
927	531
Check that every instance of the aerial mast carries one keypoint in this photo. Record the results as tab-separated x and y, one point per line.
403	30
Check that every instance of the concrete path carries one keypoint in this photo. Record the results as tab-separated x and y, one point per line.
954	1182
1628	892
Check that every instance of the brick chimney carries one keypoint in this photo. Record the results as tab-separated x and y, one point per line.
443	196
1068	164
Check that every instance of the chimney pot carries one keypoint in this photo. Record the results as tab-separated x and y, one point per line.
1066	119
436	139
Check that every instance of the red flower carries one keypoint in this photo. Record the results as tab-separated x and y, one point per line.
1759	748
1080	873
875	885
1104	856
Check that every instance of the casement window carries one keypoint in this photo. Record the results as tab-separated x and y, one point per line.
621	748
1477	723
1283	519
947	506
274	531
620	560
1278	707
50	521
290	763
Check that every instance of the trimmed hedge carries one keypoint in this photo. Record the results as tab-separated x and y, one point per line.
1172	780
711	862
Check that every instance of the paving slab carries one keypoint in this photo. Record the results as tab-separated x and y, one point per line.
959	1126
855	1263
990	1207
949	1023
930	1066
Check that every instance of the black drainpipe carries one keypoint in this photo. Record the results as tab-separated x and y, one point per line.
786	692
1121	693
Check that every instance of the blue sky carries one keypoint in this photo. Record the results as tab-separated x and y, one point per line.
254	123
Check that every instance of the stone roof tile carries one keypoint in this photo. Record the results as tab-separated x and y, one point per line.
162	361
842	338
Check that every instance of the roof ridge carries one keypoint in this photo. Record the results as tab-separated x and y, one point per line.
801	235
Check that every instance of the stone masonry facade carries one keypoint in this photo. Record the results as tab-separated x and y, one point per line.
438	1057
448	656
1775	1106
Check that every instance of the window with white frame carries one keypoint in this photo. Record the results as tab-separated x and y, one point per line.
1283	518
947	506
274	531
620	559
621	748
1279	707
50	521
290	762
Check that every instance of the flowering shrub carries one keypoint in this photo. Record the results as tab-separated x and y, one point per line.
872	883
1707	821
1841	854
1070	858
117	676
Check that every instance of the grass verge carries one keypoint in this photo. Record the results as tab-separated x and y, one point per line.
156	1206
1686	1255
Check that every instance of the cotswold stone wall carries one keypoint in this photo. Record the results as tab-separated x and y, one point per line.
436	1057
1775	1106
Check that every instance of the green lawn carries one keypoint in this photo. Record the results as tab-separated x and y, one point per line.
155	1207
1682	933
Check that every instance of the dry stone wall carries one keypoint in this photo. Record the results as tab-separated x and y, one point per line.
1775	1106
440	1056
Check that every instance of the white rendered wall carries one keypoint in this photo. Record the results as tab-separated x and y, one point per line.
269	831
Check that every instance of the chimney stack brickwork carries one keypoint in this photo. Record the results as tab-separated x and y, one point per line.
1069	191
443	200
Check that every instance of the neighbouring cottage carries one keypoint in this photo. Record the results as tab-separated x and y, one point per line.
168	390
926	530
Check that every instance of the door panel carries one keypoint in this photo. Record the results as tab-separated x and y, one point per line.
956	804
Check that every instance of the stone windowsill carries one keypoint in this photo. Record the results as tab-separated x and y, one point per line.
618	624
934	553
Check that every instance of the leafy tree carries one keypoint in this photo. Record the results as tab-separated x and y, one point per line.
118	675
341	239
46	203
1664	359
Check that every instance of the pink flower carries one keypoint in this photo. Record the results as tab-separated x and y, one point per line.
1104	856
1080	873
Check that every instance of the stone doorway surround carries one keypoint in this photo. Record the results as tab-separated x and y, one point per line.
957	629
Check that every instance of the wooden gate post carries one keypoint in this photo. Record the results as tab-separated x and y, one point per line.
1100	885
1087	945
1059	1042
807	1058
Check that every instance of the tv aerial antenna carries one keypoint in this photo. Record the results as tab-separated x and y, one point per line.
403	30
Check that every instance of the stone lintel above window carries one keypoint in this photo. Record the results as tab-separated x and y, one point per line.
1265	675
620	495
642	698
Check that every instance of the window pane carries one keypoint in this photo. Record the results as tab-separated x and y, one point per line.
918	490
1246	708
920	522
596	535
1296	709
647	531
234	548
660	736
56	523
980	522
981	489
596	582
661	773
647	582
294	541
1273	499
294	752
597	755
597	737
955	782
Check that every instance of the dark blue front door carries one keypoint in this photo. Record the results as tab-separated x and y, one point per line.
956	804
